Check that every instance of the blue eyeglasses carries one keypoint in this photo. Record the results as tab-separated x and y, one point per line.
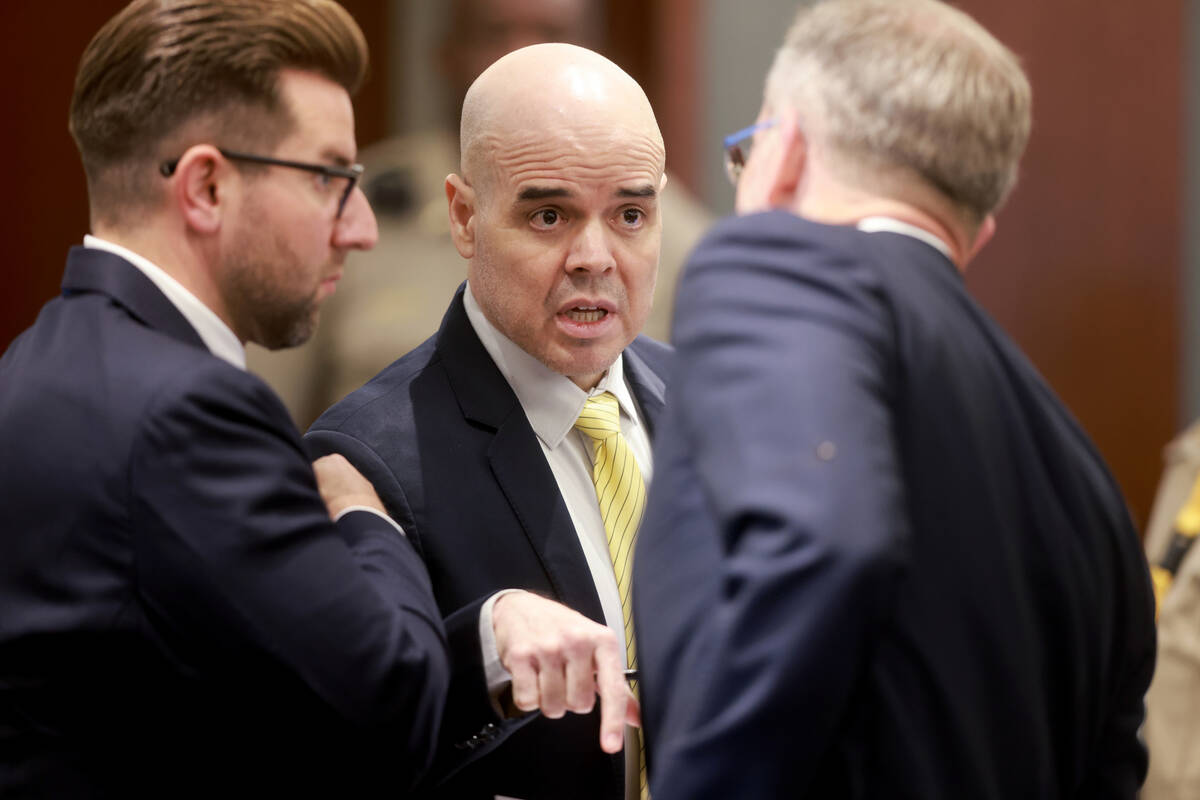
736	154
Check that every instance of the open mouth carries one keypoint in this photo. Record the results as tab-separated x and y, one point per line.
585	314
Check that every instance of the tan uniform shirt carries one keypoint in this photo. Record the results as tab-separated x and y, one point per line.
1172	727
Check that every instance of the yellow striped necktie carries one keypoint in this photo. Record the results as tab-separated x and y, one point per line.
622	496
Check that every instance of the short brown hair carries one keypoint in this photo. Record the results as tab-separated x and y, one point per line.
915	86
162	72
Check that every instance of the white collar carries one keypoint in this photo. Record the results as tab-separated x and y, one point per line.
890	225
551	401
215	334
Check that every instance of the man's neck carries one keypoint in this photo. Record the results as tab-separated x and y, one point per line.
213	331
837	211
825	197
174	256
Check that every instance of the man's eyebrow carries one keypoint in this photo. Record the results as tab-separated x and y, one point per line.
335	158
542	192
646	190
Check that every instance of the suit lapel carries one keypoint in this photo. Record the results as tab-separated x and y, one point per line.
517	461
92	270
648	388
520	469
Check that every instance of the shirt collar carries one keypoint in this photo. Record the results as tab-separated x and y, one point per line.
890	225
551	401
216	335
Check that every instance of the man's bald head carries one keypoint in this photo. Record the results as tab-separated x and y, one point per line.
481	31
556	208
551	91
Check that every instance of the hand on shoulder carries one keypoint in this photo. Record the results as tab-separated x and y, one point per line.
343	486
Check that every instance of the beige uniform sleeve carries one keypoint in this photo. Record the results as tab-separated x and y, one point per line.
1172	728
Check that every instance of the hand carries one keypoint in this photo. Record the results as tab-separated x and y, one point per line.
560	660
342	486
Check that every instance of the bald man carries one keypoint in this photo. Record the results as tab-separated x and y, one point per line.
392	297
471	441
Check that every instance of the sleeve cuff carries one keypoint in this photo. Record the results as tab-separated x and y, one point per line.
390	521
499	680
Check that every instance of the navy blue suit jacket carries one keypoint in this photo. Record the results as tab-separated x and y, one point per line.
445	441
178	615
880	560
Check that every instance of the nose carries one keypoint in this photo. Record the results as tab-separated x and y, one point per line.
590	250
356	229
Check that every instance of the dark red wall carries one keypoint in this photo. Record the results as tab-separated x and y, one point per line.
1086	267
45	197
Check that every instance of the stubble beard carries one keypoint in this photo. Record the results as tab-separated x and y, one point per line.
276	315
282	322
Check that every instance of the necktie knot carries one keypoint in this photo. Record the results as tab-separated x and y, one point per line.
601	417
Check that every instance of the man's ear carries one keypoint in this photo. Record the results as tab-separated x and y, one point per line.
461	198
199	188
789	161
987	229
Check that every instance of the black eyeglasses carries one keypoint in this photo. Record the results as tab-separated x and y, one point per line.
735	153
351	174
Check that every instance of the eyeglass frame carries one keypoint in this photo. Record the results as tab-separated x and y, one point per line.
351	173
735	157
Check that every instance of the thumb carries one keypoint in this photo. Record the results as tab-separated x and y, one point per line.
633	711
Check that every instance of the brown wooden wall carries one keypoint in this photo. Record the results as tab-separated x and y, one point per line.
1086	267
658	44
45	202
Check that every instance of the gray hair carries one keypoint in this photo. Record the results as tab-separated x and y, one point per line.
914	86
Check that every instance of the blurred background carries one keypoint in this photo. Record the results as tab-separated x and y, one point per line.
1095	270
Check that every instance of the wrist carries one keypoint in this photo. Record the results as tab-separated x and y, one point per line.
342	504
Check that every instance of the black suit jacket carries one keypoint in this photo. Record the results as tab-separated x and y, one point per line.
880	559
178	615
443	438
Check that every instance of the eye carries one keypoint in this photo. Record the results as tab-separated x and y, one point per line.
632	217
324	180
546	218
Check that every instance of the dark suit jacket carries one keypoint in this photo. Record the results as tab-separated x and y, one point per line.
443	438
924	582
178	615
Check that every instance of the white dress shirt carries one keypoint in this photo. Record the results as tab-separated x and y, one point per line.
216	335
890	225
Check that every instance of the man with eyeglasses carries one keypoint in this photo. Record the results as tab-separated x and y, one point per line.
185	608
880	559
